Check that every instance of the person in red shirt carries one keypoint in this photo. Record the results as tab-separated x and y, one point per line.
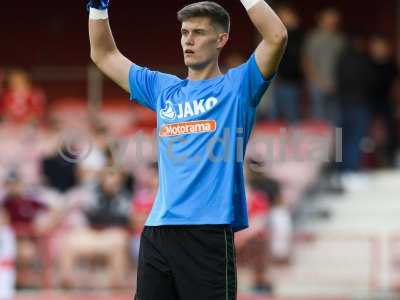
22	214
22	103
252	245
22	210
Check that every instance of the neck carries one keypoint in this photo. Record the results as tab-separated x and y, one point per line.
210	71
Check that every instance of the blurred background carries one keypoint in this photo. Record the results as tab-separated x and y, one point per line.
78	171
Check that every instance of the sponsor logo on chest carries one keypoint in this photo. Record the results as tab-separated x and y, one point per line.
187	109
192	127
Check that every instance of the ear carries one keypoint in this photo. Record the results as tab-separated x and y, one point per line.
222	40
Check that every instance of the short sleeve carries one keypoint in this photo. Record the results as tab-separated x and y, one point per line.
253	85
146	85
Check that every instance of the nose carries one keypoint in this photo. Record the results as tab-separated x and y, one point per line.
189	41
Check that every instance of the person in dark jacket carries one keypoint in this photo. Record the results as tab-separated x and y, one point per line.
285	102
383	106
354	78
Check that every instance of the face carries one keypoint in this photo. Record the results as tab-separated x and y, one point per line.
379	48
288	17
330	20
201	42
18	80
111	182
14	188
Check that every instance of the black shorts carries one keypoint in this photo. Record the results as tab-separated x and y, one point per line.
187	263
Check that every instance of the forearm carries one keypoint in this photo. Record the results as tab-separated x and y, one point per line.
103	50
102	42
268	24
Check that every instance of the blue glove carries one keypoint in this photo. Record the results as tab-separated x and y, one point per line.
98	4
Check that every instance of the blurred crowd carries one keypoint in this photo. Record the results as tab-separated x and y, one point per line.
348	80
63	218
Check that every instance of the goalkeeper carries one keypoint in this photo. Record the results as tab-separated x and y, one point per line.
203	125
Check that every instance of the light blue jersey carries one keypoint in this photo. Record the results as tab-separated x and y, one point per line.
203	127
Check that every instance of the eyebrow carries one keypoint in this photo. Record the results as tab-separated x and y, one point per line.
197	30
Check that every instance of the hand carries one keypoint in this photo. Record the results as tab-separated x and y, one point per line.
98	4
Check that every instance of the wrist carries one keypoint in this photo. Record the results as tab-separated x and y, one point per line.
98	14
248	4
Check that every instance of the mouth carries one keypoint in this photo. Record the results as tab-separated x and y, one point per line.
189	52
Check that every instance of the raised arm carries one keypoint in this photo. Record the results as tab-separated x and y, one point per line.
274	34
103	50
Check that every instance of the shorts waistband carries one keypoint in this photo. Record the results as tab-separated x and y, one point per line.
192	227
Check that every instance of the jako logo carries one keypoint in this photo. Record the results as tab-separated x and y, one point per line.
168	112
187	109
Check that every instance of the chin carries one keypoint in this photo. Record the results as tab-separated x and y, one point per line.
190	63
195	64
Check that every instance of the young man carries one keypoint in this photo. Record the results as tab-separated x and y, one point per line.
203	125
322	48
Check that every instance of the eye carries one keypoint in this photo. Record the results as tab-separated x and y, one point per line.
200	32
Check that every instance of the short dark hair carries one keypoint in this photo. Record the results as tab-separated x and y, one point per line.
285	5
209	9
328	10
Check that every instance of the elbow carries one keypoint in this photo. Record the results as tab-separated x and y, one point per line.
281	37
278	37
95	58
100	57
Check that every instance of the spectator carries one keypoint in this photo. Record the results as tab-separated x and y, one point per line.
287	88
98	158
108	217
279	218
322	49
21	209
355	78
252	243
58	167
280	224
23	103
141	207
383	106
23	213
